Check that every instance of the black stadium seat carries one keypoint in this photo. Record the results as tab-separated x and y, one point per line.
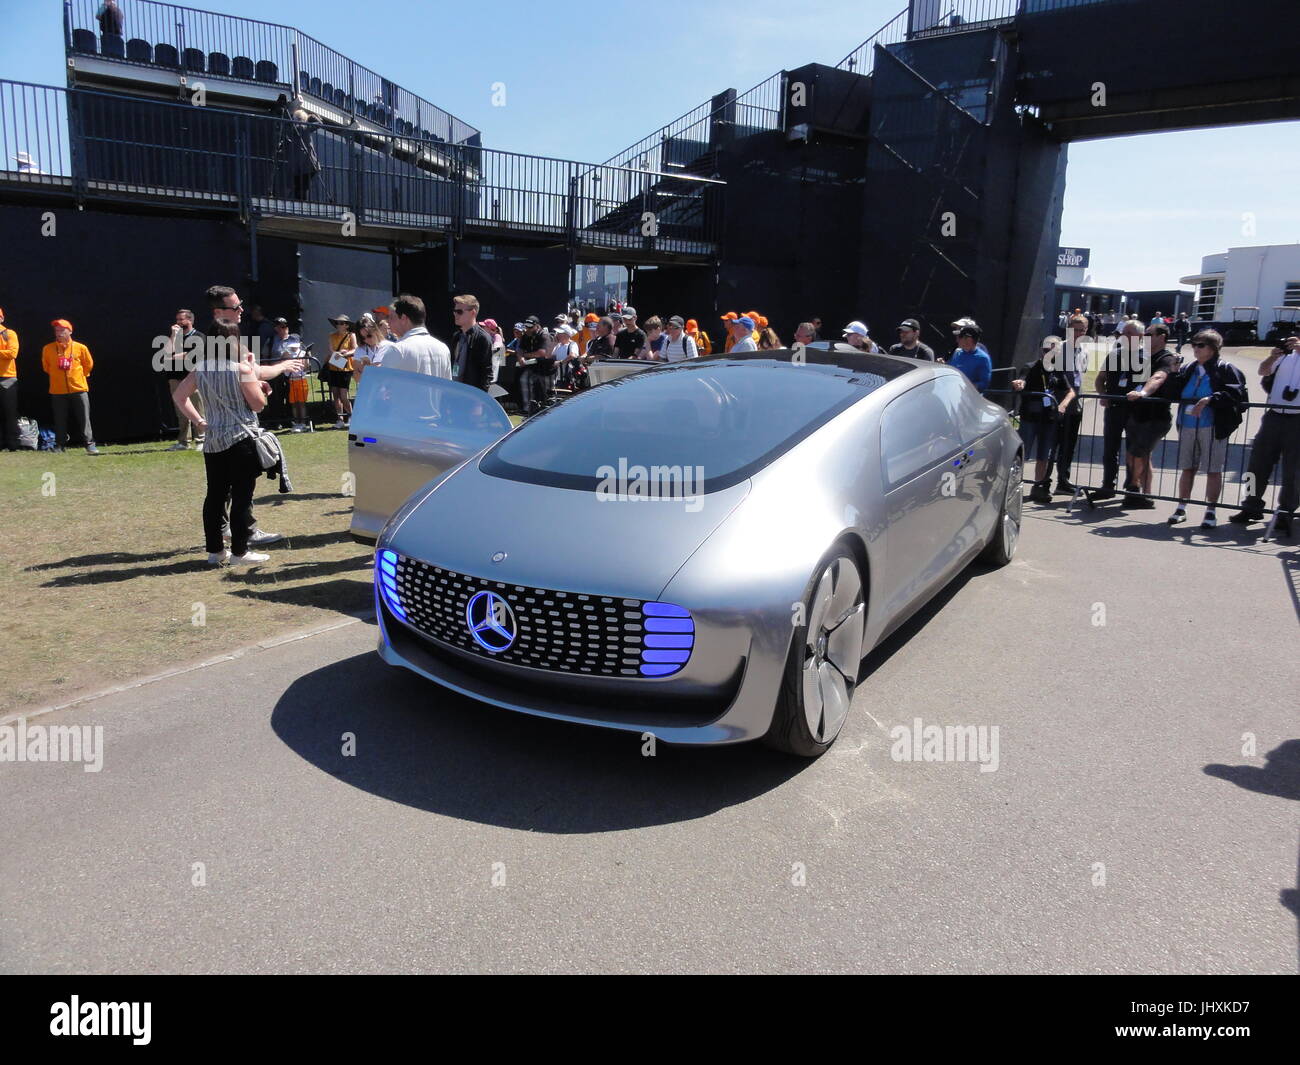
113	46
165	55
195	60
304	80
267	71
219	63
139	51
242	67
326	91
340	99
84	41
313	86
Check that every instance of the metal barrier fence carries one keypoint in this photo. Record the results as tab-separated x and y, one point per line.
1100	449
204	42
686	138
98	145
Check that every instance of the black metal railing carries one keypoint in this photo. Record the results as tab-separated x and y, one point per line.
206	43
1100	460
689	136
99	145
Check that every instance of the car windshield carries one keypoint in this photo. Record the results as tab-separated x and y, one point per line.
728	418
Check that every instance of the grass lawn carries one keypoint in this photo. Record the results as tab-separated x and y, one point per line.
104	572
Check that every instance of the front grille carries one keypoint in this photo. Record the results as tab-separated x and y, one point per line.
568	632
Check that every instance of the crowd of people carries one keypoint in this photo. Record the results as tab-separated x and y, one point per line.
1138	385
220	401
1109	323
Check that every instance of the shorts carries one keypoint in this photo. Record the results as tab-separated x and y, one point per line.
1198	450
338	378
1039	437
299	390
1141	438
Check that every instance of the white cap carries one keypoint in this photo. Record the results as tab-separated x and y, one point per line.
857	327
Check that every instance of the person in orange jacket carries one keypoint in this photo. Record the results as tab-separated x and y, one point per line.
68	363
8	386
702	342
727	319
760	323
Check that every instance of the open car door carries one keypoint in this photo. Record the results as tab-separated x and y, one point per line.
407	428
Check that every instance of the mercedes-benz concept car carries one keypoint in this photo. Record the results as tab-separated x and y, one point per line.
704	551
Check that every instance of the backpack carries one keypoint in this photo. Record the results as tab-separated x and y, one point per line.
47	440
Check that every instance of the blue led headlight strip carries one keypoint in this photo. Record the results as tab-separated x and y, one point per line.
386	578
669	638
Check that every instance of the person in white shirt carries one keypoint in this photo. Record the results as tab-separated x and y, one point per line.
374	345
416	350
856	335
498	346
679	345
563	350
742	331
1278	437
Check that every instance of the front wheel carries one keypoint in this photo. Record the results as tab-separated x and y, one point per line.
822	669
1006	536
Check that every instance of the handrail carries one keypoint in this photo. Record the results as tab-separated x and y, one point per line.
254	163
282	45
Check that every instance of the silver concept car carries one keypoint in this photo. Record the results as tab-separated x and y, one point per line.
704	551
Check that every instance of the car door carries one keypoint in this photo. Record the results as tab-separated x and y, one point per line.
406	429
922	462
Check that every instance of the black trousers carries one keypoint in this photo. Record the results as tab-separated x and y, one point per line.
1067	440
9	413
1114	422
231	473
74	405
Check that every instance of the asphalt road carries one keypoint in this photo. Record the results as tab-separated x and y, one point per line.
1124	830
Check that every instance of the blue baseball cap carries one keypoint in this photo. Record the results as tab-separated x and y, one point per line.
747	322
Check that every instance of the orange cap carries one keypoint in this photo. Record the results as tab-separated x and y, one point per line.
730	315
691	325
61	323
753	314
762	322
592	318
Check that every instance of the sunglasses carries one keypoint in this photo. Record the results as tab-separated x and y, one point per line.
1202	344
460	310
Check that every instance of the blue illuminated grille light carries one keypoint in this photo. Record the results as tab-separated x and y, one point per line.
669	638
386	578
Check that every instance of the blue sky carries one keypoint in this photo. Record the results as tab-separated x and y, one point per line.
584	80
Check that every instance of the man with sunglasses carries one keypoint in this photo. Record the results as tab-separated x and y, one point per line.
1278	437
473	345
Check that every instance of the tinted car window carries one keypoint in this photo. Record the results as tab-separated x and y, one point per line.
729	418
919	430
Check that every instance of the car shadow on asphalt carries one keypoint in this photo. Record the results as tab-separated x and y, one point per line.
425	747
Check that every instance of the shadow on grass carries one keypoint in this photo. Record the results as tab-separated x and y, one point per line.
305	541
344	596
428	748
298	571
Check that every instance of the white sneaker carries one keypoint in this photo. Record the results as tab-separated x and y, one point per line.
178	446
248	558
340	424
219	558
261	539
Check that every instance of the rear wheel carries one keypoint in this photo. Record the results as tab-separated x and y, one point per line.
822	670
1006	536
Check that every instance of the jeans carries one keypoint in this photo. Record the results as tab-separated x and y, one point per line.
76	404
1114	422
1278	437
9	413
231	473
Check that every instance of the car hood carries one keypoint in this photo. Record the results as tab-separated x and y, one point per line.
560	538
